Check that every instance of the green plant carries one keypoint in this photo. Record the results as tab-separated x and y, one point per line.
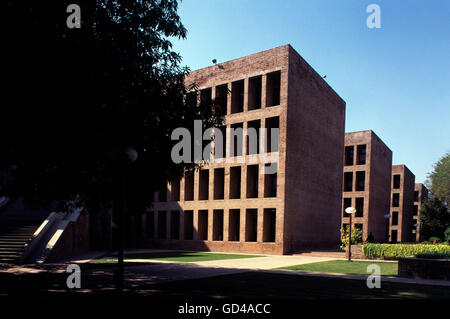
356	236
394	251
434	239
447	234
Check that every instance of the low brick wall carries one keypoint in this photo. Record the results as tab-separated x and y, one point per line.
357	252
422	268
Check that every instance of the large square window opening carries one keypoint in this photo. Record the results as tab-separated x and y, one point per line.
349	153
175	190
348	181
361	155
150	224
220	141
202	230
236	139
394	218
360	181
219	183
189	186
269	224
253	134
396	181
218	224
395	200
347	203
237	96
251	225
203	184
270	180
235	182
359	203
254	93
272	134
273	89
175	224
162	225
188	225
220	102
234	225
252	181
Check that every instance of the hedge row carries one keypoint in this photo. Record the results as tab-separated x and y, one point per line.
402	250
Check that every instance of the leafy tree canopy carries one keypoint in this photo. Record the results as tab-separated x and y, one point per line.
434	218
439	179
74	97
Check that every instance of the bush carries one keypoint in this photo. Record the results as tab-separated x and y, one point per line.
394	251
434	255
434	238
356	236
447	234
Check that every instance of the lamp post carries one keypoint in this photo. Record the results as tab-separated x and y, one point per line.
387	217
350	211
125	157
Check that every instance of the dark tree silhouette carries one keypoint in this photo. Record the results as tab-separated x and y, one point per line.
74	98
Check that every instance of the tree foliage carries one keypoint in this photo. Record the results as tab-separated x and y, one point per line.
439	179
434	218
75	97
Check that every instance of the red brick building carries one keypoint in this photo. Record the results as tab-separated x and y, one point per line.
366	182
402	203
420	195
232	205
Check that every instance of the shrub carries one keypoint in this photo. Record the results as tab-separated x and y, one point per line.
394	251
434	238
356	236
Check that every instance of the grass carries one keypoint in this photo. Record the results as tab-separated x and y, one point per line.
260	285
180	256
347	267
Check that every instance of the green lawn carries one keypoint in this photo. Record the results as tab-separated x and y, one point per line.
347	267
183	256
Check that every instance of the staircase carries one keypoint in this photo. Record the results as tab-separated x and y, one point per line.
14	234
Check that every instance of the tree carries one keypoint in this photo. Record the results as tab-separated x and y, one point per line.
77	97
439	179
434	218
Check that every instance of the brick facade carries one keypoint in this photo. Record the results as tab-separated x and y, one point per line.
366	182
235	206
420	195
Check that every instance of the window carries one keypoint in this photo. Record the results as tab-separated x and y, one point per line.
220	142
175	190
234	224
218	224
150	224
361	149
237	96
205	96
416	196
359	205
188	225
273	89
203	184
253	128
162	225
394	236
251	224
221	99
254	93
202	225
396	200
269	221
347	203
189	186
415	210
162	193
348	181
272	133
349	152
396	181
270	182
175	224
394	218
360	181
252	181
219	182
235	182
236	139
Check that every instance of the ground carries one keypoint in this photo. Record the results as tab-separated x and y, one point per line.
218	276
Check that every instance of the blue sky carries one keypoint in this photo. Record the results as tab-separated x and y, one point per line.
395	80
